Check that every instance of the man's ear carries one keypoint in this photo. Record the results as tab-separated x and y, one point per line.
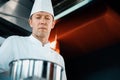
29	21
54	22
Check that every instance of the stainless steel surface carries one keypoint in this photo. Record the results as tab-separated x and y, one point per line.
34	69
15	13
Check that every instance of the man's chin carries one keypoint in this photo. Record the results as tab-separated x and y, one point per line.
42	34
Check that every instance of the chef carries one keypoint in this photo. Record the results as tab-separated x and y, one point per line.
35	46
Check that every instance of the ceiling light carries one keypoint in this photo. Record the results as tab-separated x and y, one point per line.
71	9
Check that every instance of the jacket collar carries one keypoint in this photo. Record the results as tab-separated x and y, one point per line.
37	42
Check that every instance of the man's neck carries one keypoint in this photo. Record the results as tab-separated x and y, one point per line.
43	40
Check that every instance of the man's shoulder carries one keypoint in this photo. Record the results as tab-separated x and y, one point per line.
16	37
58	57
57	53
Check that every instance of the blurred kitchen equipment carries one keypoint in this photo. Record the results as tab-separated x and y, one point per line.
35	69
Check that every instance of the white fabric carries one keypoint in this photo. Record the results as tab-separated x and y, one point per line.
42	5
16	47
1	40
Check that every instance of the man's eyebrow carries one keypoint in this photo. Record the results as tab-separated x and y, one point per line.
40	15
37	14
48	16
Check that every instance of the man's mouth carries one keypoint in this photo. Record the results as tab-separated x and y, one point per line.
42	28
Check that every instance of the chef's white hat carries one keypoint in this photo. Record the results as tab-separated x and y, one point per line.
42	5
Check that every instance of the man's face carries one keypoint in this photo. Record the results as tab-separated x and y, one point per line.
41	23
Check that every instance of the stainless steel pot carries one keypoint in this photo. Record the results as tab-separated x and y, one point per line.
35	69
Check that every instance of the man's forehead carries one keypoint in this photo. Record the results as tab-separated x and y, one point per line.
42	13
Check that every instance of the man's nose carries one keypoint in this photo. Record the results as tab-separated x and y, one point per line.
42	20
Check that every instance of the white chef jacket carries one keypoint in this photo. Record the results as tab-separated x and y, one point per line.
18	47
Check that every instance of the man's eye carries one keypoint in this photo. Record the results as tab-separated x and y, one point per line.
47	18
